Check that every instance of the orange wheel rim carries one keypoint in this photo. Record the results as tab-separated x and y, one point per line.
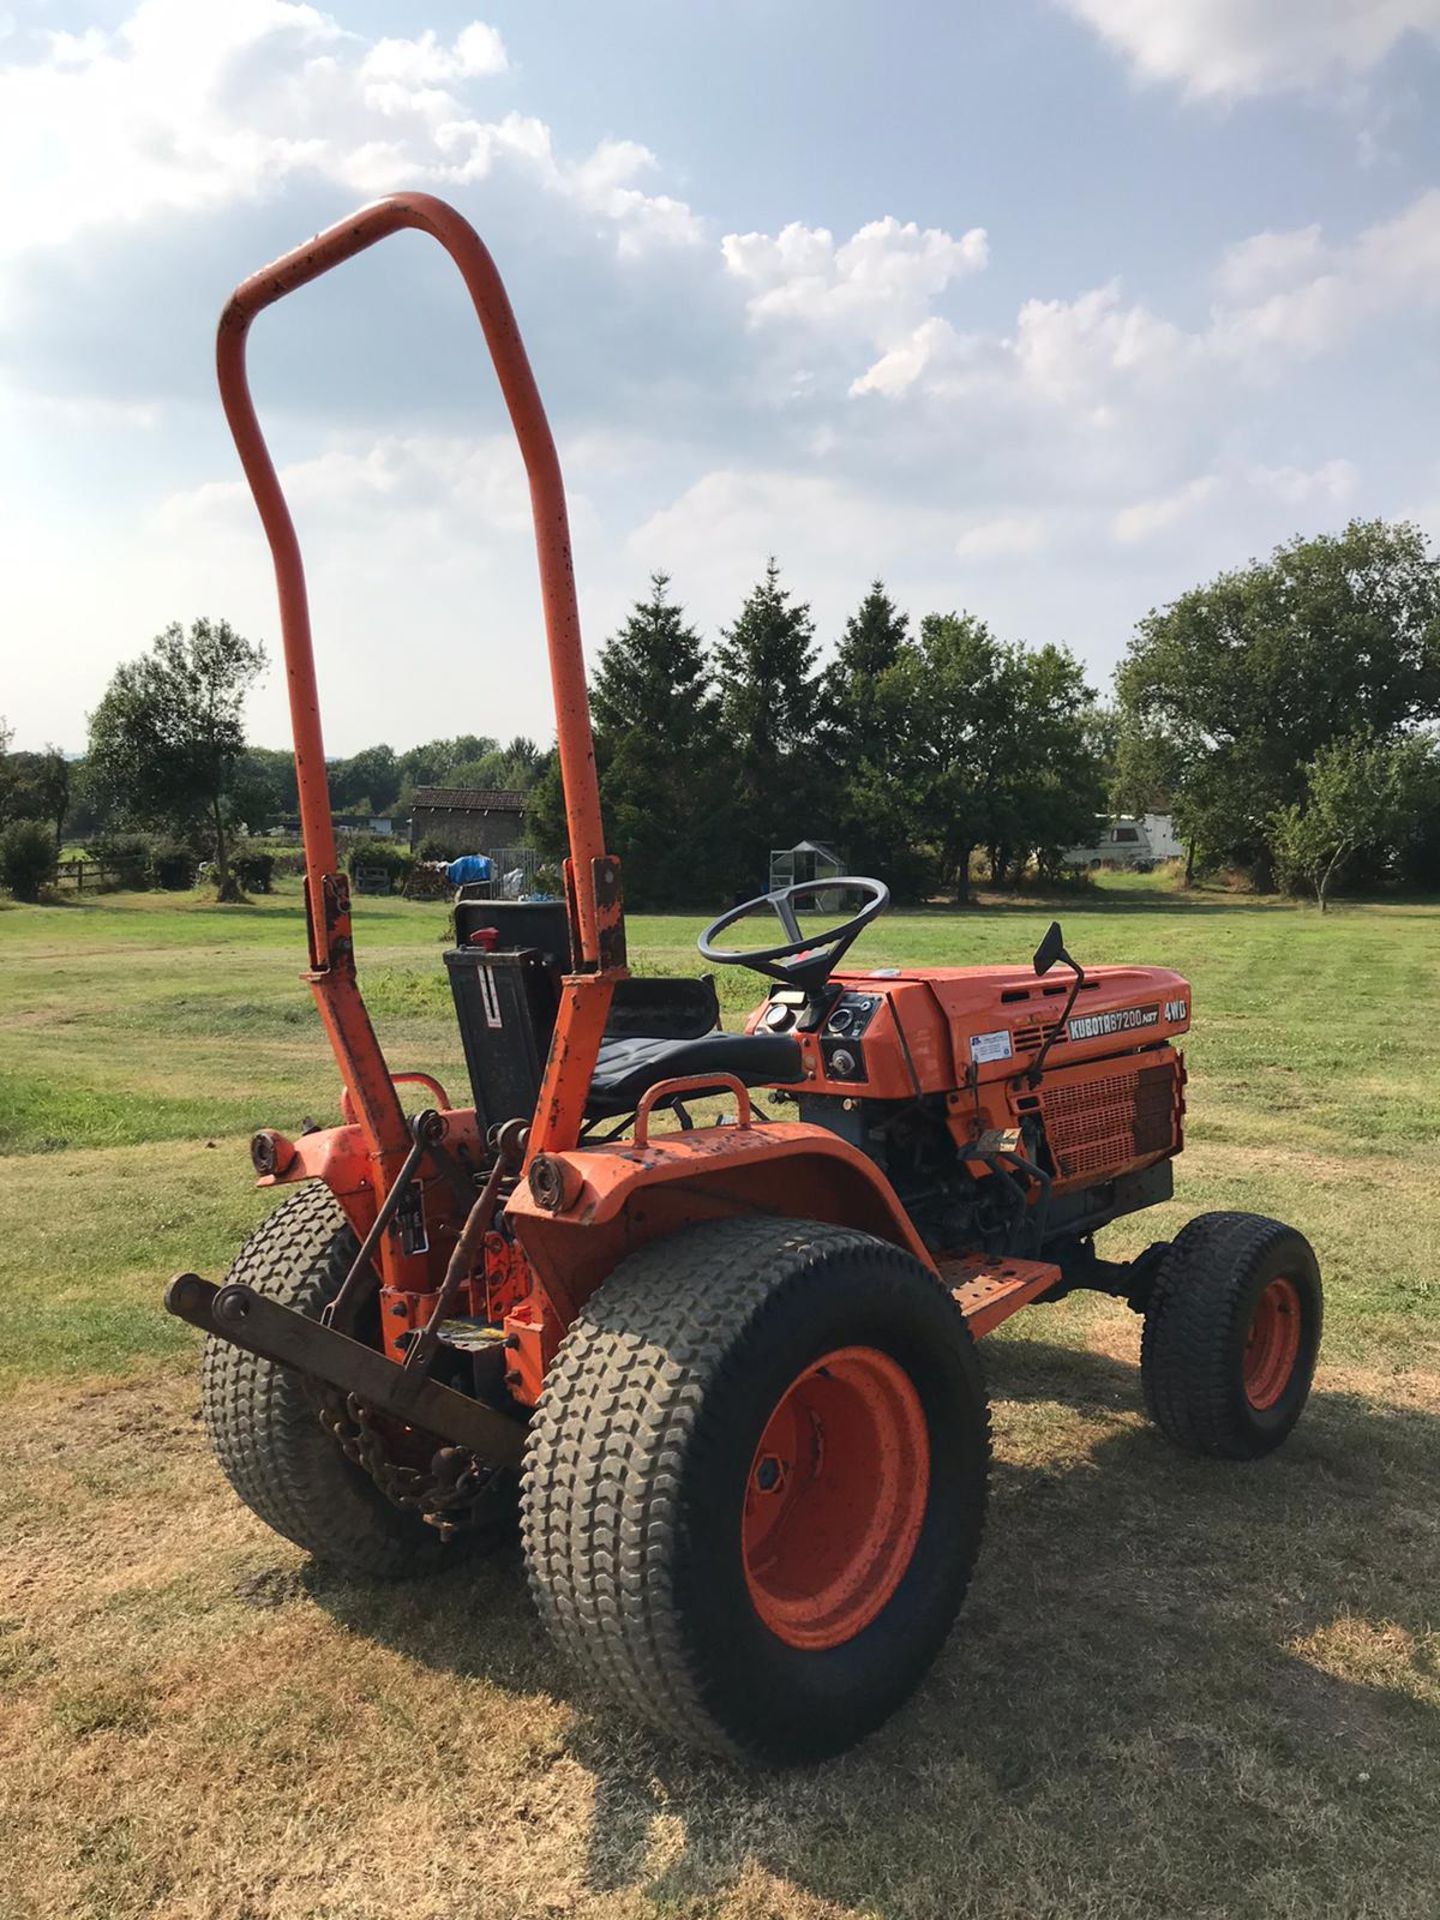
836	1498
1272	1344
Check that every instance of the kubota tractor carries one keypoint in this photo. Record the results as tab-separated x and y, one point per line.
729	1369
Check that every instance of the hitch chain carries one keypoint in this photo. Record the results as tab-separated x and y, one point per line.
451	1496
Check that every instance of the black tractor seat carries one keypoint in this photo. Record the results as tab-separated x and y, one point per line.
506	970
628	1068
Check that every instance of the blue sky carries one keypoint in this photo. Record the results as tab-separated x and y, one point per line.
1044	310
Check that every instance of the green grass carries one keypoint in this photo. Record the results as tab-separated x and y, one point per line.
137	1028
1179	1688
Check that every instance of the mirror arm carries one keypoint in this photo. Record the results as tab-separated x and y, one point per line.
1037	1066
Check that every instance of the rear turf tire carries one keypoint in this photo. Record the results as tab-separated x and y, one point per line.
1232	1332
264	1427
640	1481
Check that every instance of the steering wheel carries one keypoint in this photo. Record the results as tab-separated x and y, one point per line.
812	957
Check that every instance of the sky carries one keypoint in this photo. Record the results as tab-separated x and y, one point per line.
1046	311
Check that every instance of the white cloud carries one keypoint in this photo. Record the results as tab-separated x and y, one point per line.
1002	538
1313	297
930	346
1087	359
1073	350
425	62
876	286
1331	484
1325	486
419	548
1282	296
717	533
823	396
144	127
1234	48
605	183
1148	517
1258	265
186	107
478	482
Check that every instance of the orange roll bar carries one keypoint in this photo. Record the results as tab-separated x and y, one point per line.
552	540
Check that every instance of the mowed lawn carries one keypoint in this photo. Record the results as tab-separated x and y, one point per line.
1178	1688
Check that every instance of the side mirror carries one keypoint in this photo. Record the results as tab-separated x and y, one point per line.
1050	949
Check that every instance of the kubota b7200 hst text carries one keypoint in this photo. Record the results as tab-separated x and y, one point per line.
729	1370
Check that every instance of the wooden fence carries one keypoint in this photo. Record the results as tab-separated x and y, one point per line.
88	876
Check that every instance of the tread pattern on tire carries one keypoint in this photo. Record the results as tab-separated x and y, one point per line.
1186	1363
262	1422
600	1507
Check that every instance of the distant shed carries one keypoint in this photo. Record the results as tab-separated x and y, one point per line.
810	860
474	819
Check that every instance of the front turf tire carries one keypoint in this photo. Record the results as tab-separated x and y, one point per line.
263	1424
1232	1333
645	1455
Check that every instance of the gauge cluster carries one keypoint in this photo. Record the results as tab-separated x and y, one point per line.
851	1014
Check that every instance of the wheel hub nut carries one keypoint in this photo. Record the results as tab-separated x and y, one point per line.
770	1474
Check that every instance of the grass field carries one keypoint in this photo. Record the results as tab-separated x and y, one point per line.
1179	1688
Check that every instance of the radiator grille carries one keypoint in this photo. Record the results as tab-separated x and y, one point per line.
1098	1124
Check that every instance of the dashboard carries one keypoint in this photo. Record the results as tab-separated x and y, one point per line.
840	1036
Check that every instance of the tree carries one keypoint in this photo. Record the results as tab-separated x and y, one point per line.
167	738
33	786
771	709
994	746
872	642
1417	855
435	762
39	787
368	780
859	744
1361	797
7	775
1247	679
27	858
514	767
662	782
1048	782
945	701
264	789
1146	772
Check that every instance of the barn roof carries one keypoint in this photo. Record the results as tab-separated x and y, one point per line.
469	800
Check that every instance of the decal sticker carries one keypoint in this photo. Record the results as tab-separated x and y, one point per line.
490	999
991	1046
1092	1026
1176	1010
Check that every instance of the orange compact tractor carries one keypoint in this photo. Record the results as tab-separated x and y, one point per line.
728	1370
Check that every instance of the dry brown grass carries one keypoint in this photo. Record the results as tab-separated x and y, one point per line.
1178	1689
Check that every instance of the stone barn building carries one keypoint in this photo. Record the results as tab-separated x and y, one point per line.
472	819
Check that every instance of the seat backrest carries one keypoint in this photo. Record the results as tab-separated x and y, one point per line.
542	924
644	1007
507	996
506	1005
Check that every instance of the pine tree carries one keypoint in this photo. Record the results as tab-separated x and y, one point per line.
873	637
663	784
871	644
653	674
771	706
873	826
